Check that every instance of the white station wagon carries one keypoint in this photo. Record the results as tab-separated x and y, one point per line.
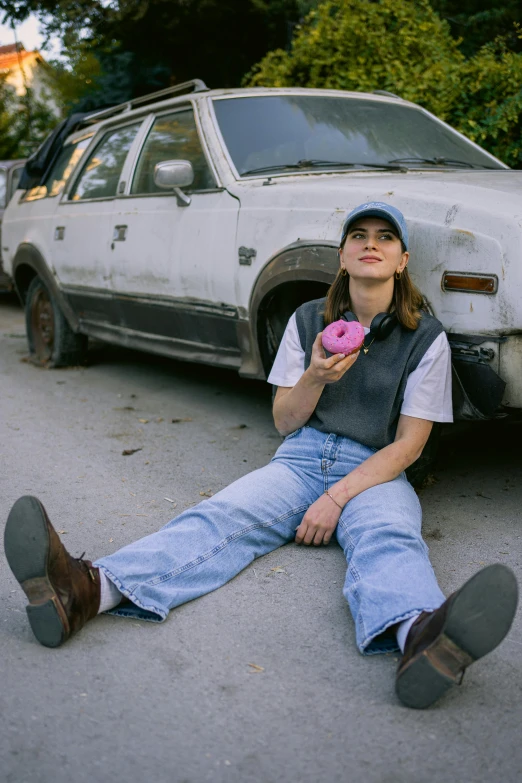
192	222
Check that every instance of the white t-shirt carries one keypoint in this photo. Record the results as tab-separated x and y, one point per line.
428	388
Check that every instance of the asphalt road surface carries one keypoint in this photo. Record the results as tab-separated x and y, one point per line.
261	680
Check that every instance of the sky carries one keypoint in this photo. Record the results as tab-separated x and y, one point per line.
28	34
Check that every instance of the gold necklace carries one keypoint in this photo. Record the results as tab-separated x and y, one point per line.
366	349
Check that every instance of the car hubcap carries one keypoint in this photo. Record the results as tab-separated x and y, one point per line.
42	323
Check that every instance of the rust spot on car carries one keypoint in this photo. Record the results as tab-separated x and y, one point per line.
462	238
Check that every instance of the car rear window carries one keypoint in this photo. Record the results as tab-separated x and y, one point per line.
62	168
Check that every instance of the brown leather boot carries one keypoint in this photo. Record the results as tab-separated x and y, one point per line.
63	591
443	643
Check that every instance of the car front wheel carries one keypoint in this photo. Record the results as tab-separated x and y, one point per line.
52	342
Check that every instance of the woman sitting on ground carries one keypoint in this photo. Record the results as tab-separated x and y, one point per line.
353	424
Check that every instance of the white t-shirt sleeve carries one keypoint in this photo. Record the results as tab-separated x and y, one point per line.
289	363
428	389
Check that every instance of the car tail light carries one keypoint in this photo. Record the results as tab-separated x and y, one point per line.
469	282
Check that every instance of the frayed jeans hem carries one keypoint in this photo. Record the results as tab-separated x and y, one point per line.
374	645
139	611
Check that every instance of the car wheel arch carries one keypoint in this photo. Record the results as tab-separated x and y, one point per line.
27	264
295	274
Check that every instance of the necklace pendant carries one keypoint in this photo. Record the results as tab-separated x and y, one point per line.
366	350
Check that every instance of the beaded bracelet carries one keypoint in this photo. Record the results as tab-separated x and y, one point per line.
326	492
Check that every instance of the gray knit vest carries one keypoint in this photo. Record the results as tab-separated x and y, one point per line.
365	404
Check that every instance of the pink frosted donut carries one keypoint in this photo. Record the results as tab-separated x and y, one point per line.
343	337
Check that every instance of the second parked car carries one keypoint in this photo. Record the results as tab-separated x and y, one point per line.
10	173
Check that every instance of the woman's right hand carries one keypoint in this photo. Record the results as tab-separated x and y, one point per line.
328	370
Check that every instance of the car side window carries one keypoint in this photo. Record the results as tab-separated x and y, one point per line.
63	166
172	137
102	169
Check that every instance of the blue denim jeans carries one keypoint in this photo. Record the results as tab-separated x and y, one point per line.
389	576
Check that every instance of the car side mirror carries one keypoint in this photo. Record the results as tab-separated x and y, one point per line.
173	175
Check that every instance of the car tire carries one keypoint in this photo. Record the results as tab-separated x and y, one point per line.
52	342
421	468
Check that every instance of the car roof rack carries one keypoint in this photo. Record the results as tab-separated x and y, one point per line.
385	92
194	85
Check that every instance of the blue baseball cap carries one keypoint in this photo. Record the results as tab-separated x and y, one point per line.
378	209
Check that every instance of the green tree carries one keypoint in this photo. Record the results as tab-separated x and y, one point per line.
9	124
404	47
396	45
166	41
24	122
478	22
74	77
489	108
86	78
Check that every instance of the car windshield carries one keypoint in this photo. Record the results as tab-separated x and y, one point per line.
307	131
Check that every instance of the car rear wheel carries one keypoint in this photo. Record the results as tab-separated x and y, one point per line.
52	342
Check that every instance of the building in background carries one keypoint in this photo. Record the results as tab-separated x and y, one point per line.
23	70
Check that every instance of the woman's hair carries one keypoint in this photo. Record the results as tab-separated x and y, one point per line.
407	299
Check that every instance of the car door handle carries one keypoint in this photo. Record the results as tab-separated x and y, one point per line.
119	233
59	232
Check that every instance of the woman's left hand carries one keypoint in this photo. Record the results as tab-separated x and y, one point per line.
319	522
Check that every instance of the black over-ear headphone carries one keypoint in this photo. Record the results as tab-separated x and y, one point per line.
381	326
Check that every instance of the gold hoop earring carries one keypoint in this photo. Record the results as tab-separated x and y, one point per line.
398	275
344	273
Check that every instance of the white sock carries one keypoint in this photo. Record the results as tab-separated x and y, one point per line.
110	595
403	630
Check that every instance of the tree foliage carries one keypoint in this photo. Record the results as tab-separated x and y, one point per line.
478	22
74	78
165	42
24	122
458	58
489	108
83	79
404	47
395	45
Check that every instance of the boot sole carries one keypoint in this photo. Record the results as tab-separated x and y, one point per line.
478	619
26	544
